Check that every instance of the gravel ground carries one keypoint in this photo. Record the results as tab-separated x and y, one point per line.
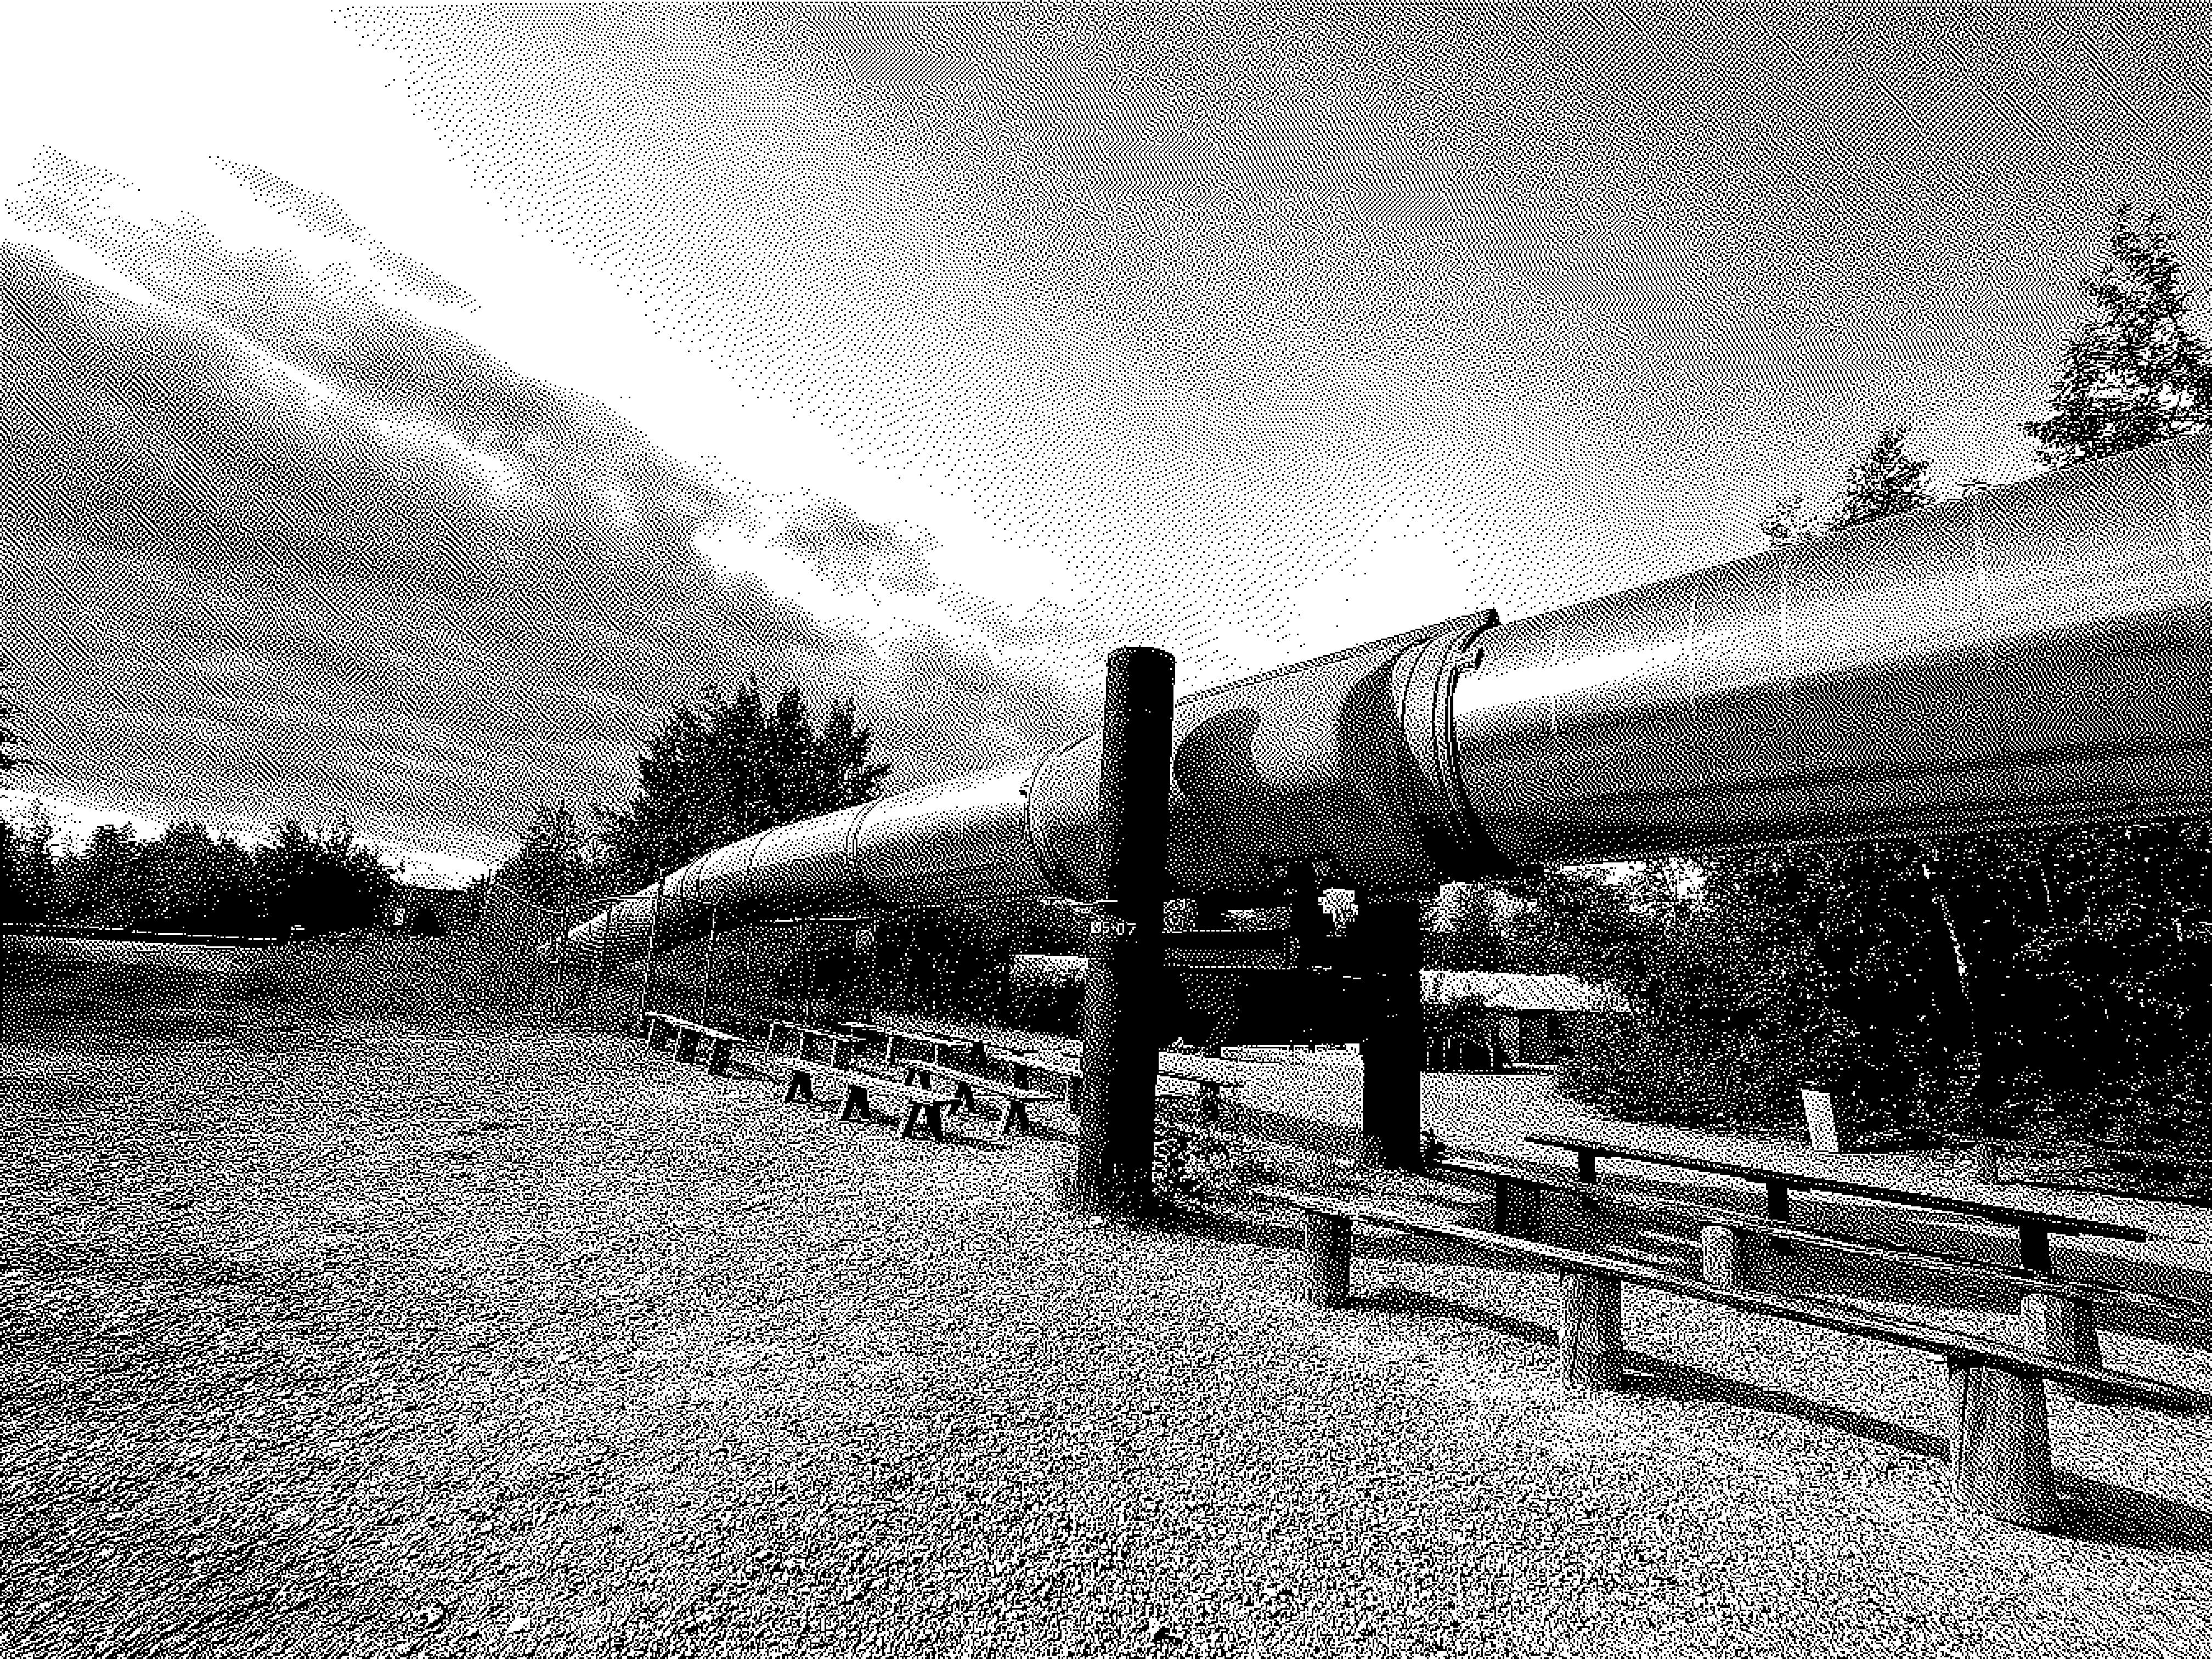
349	1323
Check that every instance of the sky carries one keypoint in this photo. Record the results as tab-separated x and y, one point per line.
408	405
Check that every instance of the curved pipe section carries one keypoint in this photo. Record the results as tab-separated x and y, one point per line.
2037	654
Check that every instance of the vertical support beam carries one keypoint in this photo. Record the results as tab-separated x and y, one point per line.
1389	947
652	943
1123	984
867	949
707	970
2001	1445
1589	1332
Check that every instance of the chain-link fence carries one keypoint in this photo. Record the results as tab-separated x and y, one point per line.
532	939
812	971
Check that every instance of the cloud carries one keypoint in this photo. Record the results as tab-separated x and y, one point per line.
270	544
961	694
320	212
849	551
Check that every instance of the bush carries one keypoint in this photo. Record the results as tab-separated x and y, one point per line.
1656	1068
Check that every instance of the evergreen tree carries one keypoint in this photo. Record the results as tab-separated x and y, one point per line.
2009	979
2138	372
2123	998
727	767
1884	479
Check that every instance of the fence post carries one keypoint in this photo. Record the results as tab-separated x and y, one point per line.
707	970
652	942
599	965
1124	979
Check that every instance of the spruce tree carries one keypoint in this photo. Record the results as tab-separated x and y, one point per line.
728	767
1884	479
2138	372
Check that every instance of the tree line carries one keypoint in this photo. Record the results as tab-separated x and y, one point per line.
2006	981
187	879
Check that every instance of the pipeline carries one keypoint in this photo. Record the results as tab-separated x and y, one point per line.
2035	655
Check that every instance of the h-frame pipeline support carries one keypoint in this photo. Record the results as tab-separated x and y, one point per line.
1387	934
1124	983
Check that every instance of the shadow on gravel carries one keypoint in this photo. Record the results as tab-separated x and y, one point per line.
1396	1299
1296	1134
64	997
1233	1228
2098	1512
29	1095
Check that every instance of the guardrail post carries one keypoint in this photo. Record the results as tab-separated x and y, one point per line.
1589	1332
1123	983
1519	1206
2001	1445
1329	1260
1388	936
1721	1257
2063	1324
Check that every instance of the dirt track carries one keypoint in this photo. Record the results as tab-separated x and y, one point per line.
330	1334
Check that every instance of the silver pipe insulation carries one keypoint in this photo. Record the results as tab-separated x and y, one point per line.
2036	654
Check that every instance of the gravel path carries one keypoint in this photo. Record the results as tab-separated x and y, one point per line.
333	1329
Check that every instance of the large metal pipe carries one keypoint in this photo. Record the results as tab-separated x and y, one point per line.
2037	653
